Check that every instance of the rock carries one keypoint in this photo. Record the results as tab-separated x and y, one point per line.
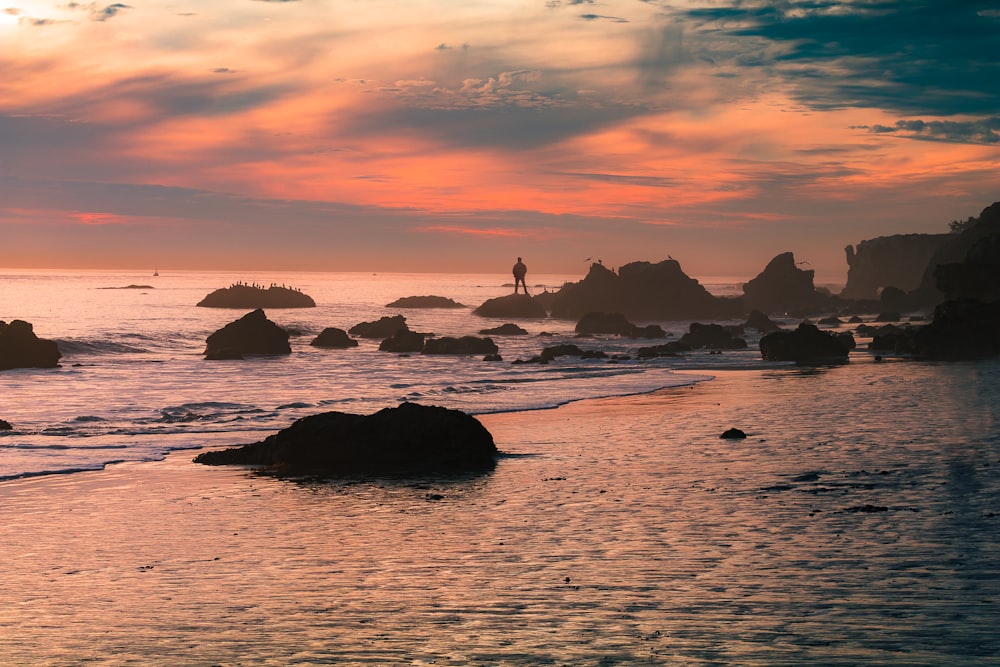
641	290
712	336
411	439
21	348
333	337
512	306
895	299
254	296
566	350
888	317
604	323
509	329
955	250
463	345
381	328
964	329
782	287
898	260
5	425
492	357
671	349
733	434
648	331
251	334
403	341
807	344
761	322
831	322
425	302
977	276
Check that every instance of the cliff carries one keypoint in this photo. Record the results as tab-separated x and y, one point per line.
897	261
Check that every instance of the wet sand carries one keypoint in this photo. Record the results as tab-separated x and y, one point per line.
857	524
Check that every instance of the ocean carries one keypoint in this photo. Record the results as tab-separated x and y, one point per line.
857	524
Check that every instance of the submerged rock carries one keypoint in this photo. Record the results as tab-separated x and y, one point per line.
408	439
5	425
807	344
403	341
255	296
733	434
251	334
712	336
333	337
463	345
512	306
509	329
425	302
21	348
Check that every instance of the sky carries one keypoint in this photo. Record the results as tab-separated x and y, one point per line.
436	135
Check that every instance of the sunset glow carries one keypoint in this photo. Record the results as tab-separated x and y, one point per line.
720	133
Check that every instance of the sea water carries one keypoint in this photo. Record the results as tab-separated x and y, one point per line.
133	383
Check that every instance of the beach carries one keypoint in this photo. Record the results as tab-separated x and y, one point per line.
856	524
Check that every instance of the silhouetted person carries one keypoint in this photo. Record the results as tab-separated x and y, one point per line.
519	271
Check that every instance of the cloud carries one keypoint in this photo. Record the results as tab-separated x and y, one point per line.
985	131
108	12
600	17
89	218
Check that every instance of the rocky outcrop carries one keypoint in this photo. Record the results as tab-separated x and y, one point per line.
782	287
403	341
641	290
463	345
334	338
713	337
5	425
977	276
807	344
425	302
251	334
604	323
380	328
411	439
21	348
898	261
761	322
241	295
512	306
509	329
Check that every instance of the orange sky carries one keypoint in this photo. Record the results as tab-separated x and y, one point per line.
429	136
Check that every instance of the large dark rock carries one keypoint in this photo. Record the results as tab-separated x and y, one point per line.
977	276
463	345
380	328
955	250
5	425
897	261
403	341
962	329
254	296
604	323
712	336
509	329
641	290
761	322
512	306
782	287
425	302
333	337
21	348
251	334
410	439
807	344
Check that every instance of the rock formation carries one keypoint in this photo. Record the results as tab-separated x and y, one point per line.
251	334
512	306
411	439
241	295
5	425
712	336
604	323
977	276
425	302
807	344
509	329
898	261
641	290
761	322
380	328
463	345
333	337
782	287
954	251
403	341
21	348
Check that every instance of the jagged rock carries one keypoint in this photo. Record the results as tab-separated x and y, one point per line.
509	329
955	250
604	323
648	331
21	348
383	327
425	302
806	344
898	260
251	334
5	425
641	290
712	336
253	296
733	434
761	322
403	341
333	337
411	439
782	287
977	276
512	306
463	345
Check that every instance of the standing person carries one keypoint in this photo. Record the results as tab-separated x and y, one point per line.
519	271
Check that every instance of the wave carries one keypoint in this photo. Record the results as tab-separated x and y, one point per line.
83	347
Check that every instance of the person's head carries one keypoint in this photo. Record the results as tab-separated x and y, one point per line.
519	259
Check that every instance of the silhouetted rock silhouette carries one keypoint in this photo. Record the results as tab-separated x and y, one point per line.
425	302
333	337
21	348
512	306
509	329
463	345
251	334
255	296
712	336
782	287
807	344
954	251
403	341
604	323
380	328
733	434
898	261
410	439
761	322
977	276
5	425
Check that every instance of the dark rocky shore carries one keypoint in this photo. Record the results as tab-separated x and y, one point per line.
241	295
